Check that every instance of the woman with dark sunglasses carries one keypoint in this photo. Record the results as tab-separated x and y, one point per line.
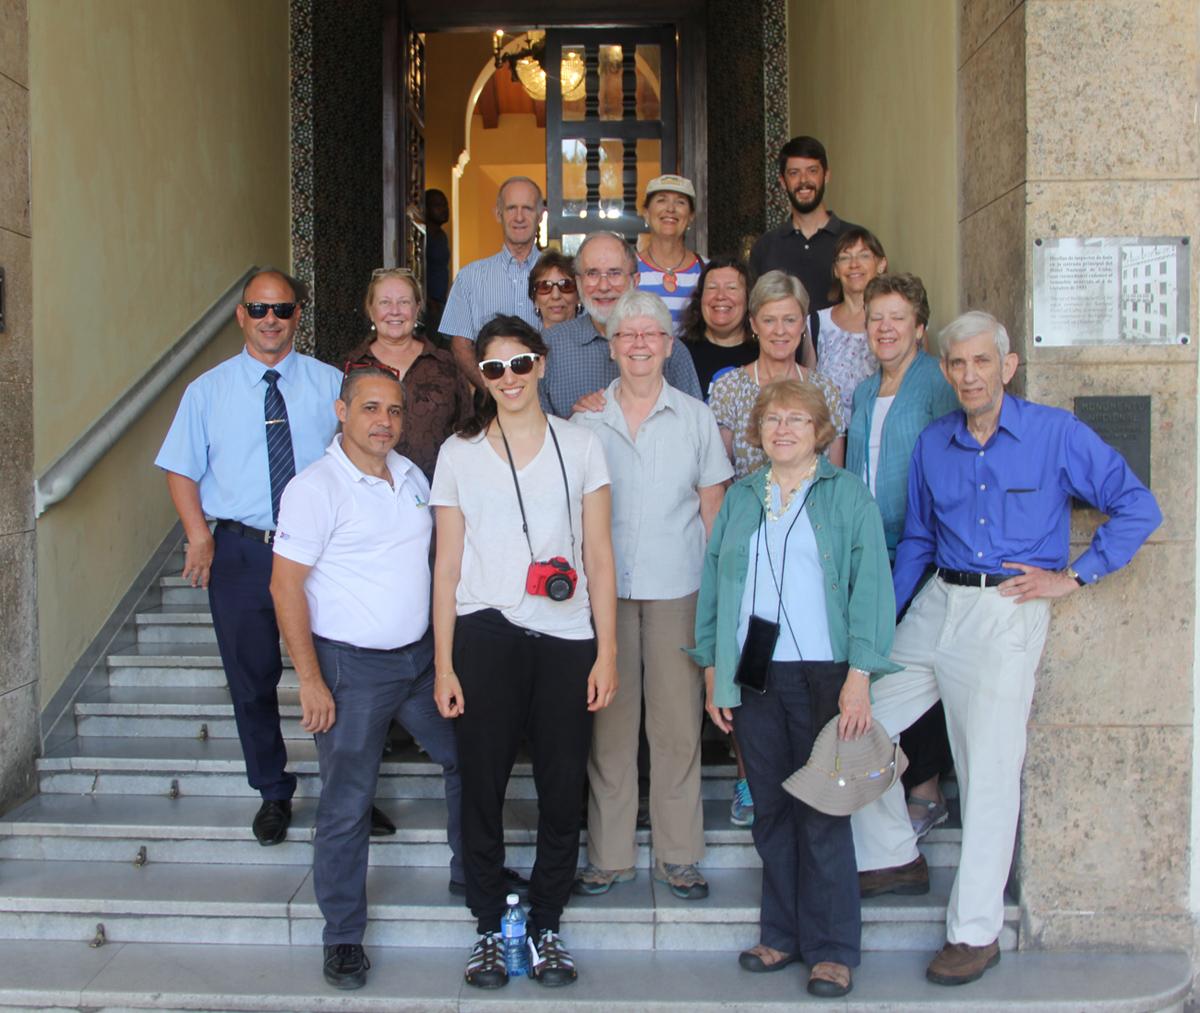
524	619
436	397
552	289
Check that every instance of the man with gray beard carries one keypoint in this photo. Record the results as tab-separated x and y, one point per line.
579	364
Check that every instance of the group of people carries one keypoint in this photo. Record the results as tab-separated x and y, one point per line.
571	530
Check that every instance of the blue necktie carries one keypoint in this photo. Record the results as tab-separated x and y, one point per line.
279	441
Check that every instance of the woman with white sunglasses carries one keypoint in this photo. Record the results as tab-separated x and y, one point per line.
524	618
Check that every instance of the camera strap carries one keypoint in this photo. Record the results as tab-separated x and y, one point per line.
521	502
778	580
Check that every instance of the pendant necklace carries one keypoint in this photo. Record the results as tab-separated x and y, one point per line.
670	282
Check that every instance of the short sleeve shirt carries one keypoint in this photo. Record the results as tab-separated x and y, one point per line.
844	356
658	534
674	290
487	287
732	401
367	542
218	438
809	258
471	476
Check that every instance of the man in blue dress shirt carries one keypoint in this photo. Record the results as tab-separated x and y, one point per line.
242	431
989	505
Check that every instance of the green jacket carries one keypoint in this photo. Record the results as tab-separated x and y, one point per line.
859	601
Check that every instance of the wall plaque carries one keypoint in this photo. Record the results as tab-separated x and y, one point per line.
1112	291
1124	424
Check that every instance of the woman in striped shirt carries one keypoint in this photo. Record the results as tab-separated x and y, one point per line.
667	268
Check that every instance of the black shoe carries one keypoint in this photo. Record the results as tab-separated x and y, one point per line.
346	965
514	882
381	826
485	966
272	821
555	966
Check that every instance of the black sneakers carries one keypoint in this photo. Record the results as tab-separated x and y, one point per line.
346	965
485	967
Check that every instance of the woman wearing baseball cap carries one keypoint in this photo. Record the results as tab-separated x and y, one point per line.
668	268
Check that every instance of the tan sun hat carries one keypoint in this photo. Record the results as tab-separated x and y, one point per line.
672	184
842	776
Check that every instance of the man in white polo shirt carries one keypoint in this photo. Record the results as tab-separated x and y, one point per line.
351	585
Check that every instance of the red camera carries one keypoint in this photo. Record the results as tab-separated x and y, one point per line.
552	578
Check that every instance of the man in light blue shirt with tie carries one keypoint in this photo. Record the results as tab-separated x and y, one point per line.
241	433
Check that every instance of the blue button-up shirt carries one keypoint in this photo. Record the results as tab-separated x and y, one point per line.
219	436
487	287
973	507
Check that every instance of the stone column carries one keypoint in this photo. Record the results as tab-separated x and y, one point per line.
1076	119
18	615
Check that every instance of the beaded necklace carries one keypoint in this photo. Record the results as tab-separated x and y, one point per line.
785	501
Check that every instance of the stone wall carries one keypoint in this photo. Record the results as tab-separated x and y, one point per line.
18	610
1076	119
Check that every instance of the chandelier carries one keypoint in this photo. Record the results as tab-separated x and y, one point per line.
525	54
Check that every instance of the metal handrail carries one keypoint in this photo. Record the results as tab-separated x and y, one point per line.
60	478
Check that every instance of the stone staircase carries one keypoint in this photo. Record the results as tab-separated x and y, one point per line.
132	881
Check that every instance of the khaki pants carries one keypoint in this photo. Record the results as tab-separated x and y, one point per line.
651	635
978	651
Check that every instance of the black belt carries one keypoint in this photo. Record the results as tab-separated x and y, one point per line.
254	534
969	578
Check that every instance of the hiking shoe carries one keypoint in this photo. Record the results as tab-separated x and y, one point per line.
485	967
829	980
741	809
593	881
934	815
346	965
910	880
552	963
685	881
959	963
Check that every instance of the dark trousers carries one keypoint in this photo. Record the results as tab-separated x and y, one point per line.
369	689
926	743
248	638
517	684
810	902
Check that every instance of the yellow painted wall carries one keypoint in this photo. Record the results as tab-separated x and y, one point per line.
159	136
516	147
453	60
875	81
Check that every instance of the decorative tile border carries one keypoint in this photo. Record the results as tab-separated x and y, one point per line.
776	119
300	37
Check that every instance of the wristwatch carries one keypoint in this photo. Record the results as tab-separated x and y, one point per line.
1070	572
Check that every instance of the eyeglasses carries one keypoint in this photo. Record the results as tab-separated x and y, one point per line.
629	337
521	365
793	421
858	256
282	310
353	365
614	275
565	285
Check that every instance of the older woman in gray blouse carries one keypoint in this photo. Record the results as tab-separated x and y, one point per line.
668	469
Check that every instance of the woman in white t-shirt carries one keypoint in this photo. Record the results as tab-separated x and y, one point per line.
524	620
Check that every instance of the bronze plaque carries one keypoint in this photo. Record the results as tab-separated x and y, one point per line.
1124	424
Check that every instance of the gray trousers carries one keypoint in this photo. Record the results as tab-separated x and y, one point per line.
369	689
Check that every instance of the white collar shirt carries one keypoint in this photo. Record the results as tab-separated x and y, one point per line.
658	533
367	542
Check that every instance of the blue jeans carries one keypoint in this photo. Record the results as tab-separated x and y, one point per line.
810	902
369	689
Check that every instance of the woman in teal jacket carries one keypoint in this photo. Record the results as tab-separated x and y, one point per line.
891	408
798	549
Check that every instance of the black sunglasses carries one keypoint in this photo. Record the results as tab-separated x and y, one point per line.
258	310
521	365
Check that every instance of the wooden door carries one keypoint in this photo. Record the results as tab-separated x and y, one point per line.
403	143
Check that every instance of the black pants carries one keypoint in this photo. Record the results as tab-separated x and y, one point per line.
517	684
810	902
248	637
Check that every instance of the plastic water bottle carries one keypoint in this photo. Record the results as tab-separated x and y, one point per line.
512	930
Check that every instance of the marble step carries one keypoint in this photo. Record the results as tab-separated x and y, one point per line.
174	590
176	666
162	902
273	979
169	624
112	828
